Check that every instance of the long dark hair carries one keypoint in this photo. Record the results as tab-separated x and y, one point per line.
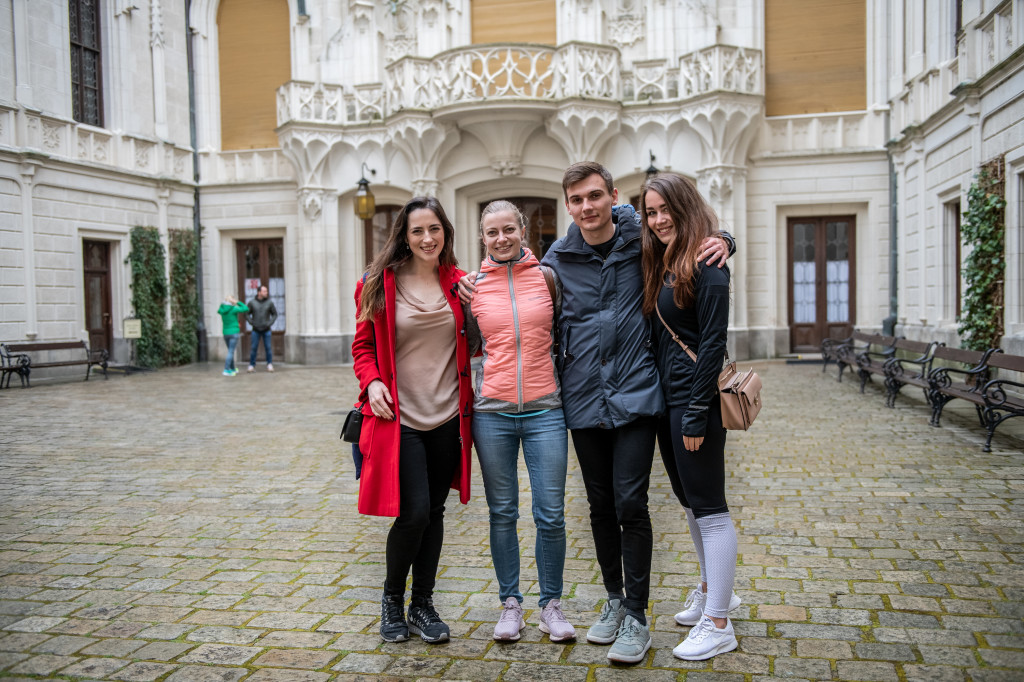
693	220
396	253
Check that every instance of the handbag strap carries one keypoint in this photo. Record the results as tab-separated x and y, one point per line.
675	337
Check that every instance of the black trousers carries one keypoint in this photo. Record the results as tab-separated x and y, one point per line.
427	461
698	478
616	468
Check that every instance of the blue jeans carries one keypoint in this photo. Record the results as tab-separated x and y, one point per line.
545	448
232	341
256	336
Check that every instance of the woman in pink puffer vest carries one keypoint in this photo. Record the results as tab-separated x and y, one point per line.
518	402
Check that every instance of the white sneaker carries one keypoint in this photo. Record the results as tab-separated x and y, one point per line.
694	606
705	641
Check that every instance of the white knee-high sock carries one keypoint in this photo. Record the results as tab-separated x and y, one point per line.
719	538
698	544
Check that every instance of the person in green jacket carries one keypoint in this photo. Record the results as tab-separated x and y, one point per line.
228	312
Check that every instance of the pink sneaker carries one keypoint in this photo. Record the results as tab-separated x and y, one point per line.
553	622
511	622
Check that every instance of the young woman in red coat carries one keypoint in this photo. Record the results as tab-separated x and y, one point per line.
412	363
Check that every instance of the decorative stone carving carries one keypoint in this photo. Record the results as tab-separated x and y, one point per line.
143	155
507	166
156	24
312	201
717	183
424	142
51	136
627	27
425	187
583	130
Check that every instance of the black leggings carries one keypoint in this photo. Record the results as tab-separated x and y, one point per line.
616	468
427	462
698	478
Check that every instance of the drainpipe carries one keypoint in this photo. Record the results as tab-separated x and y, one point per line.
889	323
202	347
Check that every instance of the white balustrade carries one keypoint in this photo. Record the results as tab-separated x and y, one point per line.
816	133
487	73
250	165
67	139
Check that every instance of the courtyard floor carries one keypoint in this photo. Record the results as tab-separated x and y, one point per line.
185	526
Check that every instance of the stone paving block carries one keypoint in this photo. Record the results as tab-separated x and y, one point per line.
355	642
278	675
535	672
347	623
34	624
866	670
94	667
161	651
363	663
195	673
287	621
806	668
220	654
143	672
462	669
7	659
224	635
63	645
933	673
418	666
295	658
43	664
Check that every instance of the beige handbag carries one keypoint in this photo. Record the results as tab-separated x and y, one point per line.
739	392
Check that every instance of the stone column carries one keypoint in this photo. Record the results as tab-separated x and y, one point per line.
318	327
28	248
725	188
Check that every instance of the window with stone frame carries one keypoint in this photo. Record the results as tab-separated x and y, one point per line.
86	62
951	217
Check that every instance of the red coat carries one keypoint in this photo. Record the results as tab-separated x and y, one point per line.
373	352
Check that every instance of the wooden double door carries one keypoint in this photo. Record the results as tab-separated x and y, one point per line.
261	262
822	283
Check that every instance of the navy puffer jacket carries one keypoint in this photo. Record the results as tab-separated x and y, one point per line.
609	375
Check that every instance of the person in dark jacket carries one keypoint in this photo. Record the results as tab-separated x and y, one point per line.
611	393
261	317
690	304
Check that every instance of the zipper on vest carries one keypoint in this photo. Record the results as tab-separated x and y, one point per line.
519	339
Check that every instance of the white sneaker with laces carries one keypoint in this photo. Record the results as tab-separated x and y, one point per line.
693	609
705	641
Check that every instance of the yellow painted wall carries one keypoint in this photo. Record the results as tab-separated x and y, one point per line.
513	21
255	60
815	59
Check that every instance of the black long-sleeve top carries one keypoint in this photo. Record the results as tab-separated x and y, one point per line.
703	326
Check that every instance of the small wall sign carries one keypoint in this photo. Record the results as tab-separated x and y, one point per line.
132	328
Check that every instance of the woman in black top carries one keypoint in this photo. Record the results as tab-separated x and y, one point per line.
692	299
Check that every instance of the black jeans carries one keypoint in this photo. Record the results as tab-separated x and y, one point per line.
427	462
698	478
616	468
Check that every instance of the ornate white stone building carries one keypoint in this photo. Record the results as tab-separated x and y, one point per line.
785	113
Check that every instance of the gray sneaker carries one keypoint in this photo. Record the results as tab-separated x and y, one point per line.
632	642
607	626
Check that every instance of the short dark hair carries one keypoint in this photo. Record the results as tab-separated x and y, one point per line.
583	170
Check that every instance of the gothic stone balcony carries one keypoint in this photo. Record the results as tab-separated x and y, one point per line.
522	74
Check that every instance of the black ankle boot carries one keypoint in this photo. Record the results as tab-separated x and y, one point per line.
393	627
424	621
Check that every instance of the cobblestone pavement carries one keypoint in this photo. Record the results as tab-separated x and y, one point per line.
185	526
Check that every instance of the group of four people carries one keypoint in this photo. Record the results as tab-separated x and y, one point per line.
567	343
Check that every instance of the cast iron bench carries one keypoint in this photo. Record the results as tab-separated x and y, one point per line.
1004	399
830	351
950	383
10	365
858	353
901	371
21	353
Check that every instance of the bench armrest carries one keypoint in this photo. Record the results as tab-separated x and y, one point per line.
995	393
939	377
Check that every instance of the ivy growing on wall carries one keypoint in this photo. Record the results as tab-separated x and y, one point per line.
983	232
149	295
184	304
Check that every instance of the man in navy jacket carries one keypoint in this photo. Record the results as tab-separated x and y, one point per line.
611	394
